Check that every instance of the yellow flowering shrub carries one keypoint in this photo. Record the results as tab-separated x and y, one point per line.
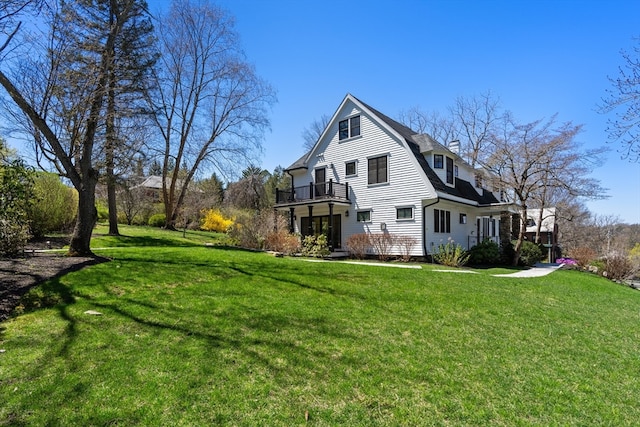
214	220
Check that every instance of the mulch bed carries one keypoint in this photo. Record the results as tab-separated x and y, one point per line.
19	275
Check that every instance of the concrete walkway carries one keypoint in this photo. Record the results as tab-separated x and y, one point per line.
537	270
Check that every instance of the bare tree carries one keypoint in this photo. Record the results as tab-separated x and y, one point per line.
64	109
211	106
529	159
441	128
624	100
249	192
476	118
312	133
470	120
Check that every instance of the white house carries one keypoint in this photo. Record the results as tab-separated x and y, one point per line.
548	230
368	173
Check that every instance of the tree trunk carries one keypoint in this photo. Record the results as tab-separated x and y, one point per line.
111	144
521	233
111	201
87	216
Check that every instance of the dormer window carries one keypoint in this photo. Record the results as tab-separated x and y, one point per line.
438	161
449	170
349	128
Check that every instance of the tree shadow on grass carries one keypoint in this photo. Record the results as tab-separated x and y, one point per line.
31	283
149	241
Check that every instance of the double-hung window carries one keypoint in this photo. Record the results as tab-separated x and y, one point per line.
377	170
438	161
349	128
449	170
441	221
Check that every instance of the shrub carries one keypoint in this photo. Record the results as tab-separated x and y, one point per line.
584	256
485	253
157	220
507	252
359	245
451	254
282	241
406	245
16	197
382	243
530	254
103	212
251	228
618	267
214	220
315	246
13	237
55	205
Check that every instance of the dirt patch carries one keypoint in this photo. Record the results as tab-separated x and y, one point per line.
19	275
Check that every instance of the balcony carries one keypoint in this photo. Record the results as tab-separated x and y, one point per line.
322	191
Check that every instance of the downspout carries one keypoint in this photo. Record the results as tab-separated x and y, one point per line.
424	225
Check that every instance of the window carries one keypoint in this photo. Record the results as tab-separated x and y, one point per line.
349	128
350	168
377	170
404	213
363	216
438	160
441	221
455	170
354	123
463	218
449	170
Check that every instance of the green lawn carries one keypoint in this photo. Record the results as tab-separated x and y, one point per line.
195	335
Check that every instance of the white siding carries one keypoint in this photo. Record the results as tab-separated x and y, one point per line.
406	186
462	234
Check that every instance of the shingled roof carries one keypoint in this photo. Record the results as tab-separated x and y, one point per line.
414	140
419	143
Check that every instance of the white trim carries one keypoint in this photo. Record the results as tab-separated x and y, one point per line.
413	212
348	120
364	210
345	168
388	181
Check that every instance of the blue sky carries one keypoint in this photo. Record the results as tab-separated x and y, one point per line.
538	57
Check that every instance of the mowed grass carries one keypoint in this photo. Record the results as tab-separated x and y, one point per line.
194	335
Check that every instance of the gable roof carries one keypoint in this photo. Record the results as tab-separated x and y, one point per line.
417	143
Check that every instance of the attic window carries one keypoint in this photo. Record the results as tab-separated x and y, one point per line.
449	170
349	128
438	161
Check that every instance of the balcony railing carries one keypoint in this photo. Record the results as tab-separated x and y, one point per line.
314	191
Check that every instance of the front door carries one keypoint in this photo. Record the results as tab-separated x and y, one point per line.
320	225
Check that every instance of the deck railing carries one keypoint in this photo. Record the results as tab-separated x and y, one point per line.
313	191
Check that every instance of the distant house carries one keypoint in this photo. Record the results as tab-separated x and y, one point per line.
548	231
152	186
367	173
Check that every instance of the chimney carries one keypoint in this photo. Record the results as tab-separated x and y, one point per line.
454	147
